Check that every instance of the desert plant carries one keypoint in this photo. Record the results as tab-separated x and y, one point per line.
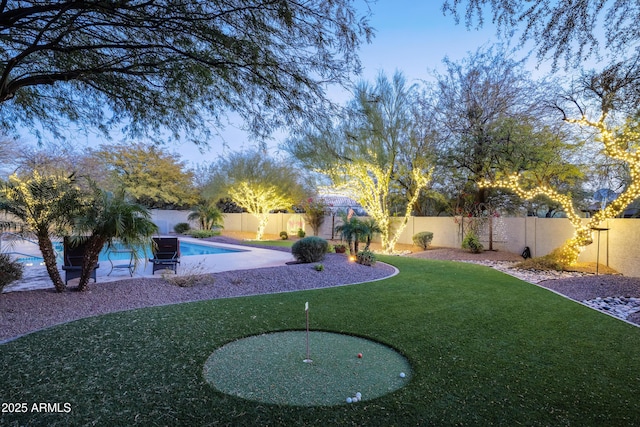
301	233
10	270
284	235
181	227
310	249
423	239
192	275
366	257
472	243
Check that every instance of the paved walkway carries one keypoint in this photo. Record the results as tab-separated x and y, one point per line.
36	277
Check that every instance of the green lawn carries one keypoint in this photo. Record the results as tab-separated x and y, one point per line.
485	349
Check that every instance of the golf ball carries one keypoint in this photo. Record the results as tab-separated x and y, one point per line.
359	395
354	399
359	355
349	400
402	375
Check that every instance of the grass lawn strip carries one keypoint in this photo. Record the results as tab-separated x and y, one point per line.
485	349
269	368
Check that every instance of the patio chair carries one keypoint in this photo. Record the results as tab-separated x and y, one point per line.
166	254
72	261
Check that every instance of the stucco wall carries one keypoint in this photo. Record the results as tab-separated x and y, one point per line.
618	245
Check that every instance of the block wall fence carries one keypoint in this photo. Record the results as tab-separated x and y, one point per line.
618	248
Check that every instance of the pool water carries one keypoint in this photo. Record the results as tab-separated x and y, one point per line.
120	253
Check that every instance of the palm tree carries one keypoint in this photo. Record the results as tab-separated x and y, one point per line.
45	204
369	227
350	230
207	215
108	218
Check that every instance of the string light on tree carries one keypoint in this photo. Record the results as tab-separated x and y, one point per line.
618	144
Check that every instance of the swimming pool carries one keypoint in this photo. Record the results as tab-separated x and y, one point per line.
120	252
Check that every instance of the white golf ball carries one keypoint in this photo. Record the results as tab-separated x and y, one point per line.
359	395
402	375
354	399
349	400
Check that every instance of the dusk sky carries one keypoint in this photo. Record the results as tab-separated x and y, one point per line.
412	37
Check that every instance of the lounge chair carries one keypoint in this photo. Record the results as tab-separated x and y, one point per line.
72	262
166	254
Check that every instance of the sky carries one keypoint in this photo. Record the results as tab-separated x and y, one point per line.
410	36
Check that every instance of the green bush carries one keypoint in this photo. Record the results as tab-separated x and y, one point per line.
472	243
301	233
366	257
284	235
10	270
181	227
319	267
201	234
423	239
310	249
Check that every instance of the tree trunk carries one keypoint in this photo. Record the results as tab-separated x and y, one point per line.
569	252
263	219
49	256
93	248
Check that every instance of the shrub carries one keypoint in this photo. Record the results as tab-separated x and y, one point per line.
181	227
423	239
547	262
472	243
301	233
193	275
10	270
284	235
366	257
201	234
310	249
319	267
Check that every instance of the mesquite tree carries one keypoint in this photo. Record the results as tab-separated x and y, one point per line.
172	67
376	152
607	104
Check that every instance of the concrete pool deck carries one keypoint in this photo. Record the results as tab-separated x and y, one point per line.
36	277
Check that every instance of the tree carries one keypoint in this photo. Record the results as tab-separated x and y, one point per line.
207	215
371	151
256	182
368	228
45	204
479	102
107	218
152	177
172	67
613	94
349	231
563	30
314	213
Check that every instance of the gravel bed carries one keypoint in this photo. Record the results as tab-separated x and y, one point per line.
24	312
590	287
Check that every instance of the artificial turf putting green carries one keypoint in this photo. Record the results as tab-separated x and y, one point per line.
270	368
